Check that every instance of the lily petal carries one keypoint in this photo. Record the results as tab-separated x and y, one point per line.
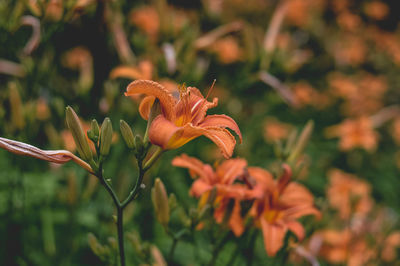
145	106
236	220
231	169
273	237
195	166
297	228
221	137
54	156
128	72
199	187
222	121
155	89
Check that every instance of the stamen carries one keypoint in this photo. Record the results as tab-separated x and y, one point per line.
205	99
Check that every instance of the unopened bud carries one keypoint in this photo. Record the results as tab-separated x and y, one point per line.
80	139
139	144
172	202
301	142
160	202
94	131
127	134
106	137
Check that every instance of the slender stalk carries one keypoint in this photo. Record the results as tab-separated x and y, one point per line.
172	250
218	247
120	229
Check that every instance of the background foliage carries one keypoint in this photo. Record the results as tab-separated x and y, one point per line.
329	61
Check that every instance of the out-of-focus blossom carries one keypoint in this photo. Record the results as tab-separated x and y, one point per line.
144	70
348	194
300	11
387	42
183	119
349	21
354	133
278	210
54	10
227	50
391	243
42	109
341	246
275	130
305	94
146	19
79	58
376	10
224	180
363	93
349	50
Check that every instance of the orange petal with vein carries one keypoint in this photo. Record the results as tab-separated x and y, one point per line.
221	137
155	89
221	121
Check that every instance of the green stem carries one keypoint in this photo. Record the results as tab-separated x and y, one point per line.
172	250
153	158
120	229
218	247
136	188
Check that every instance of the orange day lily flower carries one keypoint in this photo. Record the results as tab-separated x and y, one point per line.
183	119
280	207
223	180
54	156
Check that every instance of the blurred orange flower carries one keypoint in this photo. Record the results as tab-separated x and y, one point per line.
223	180
348	194
227	50
282	204
354	133
376	10
183	119
343	246
146	18
275	130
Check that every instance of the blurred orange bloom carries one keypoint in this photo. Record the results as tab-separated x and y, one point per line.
146	18
348	194
280	207
343	246
183	119
223	180
376	10
349	50
227	50
354	133
275	130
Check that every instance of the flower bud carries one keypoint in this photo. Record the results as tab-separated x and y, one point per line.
106	137
94	131
81	142
127	134
301	142
139	145
160	202
172	202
